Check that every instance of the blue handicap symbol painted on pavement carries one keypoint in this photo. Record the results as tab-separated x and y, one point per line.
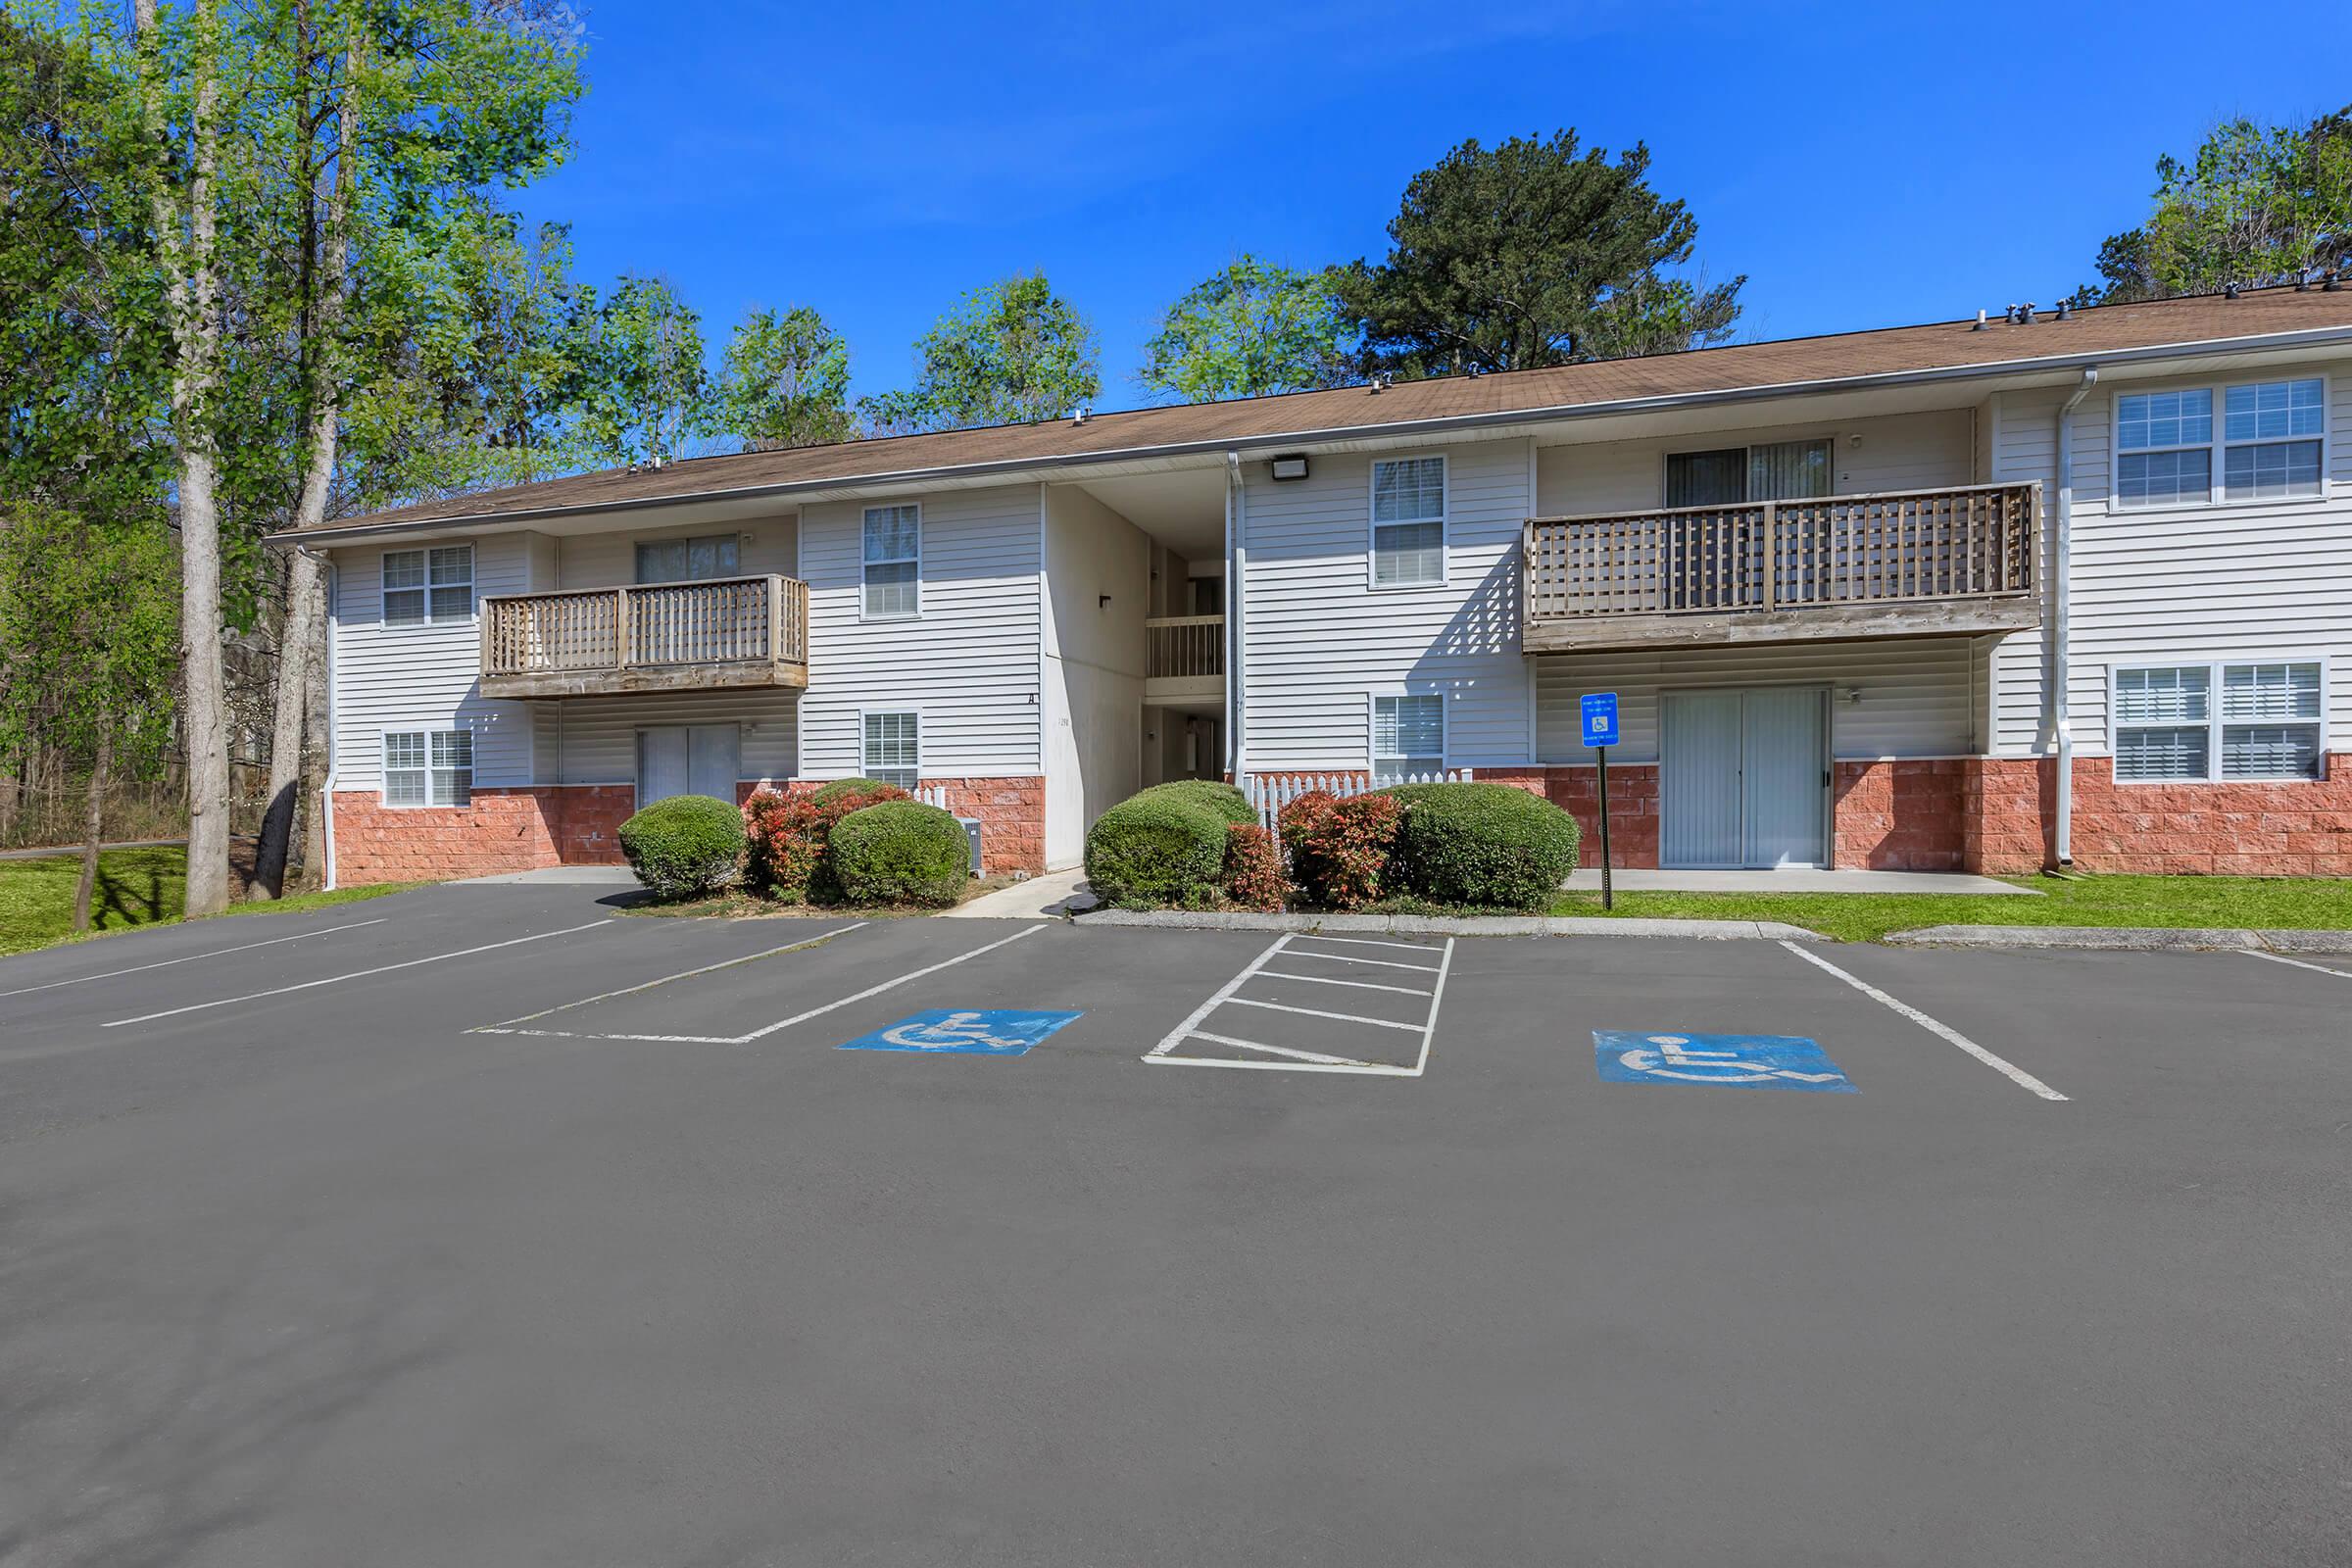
1734	1061
944	1031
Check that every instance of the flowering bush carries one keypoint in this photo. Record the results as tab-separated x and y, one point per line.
1340	849
788	833
1253	875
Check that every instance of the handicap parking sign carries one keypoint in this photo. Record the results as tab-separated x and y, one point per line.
1600	712
1730	1062
948	1031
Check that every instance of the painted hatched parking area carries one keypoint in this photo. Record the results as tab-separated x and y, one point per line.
1321	1004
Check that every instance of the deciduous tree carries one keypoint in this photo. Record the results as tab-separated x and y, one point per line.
786	382
1011	353
1251	328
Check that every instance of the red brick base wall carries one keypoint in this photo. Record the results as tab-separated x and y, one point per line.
2282	829
1898	816
579	824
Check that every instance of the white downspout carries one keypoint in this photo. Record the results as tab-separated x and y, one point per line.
326	791
1236	562
2060	598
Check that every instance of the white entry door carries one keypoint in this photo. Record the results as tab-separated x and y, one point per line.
688	759
1742	778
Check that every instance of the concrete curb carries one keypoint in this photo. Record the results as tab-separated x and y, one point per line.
2124	938
1463	925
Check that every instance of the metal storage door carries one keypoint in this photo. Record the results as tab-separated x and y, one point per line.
687	760
1698	779
1780	765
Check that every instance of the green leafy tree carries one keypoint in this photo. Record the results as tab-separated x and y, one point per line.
2255	205
1251	328
650	394
1012	352
1528	254
786	382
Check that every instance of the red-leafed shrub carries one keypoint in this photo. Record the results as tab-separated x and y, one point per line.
1252	874
1340	848
788	833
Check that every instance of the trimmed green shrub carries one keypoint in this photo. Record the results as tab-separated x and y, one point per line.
1156	849
1228	803
899	852
829	792
684	845
1487	845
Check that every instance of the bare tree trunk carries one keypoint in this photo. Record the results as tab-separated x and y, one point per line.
305	572
315	767
93	828
191	267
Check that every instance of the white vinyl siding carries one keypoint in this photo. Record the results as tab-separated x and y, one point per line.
1408	522
429	767
972	662
2235	580
427	587
1323	639
1408	736
593	740
893	543
2219	722
1866	455
401	678
893	748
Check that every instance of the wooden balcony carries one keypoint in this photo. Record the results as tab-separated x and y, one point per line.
1184	660
681	636
1903	563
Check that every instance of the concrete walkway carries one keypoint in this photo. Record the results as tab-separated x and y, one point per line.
60	852
1798	880
1039	898
581	876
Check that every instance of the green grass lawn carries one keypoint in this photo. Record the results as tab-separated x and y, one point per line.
134	888
2278	902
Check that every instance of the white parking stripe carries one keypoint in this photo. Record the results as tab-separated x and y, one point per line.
1318	1013
357	974
1364	942
1192	1019
781	1024
1377	964
2315	968
1292	1051
217	953
683	974
2010	1070
1328	980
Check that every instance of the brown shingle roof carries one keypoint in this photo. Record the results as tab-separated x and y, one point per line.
1305	416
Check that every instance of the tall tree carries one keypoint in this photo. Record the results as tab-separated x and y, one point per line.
786	382
1528	254
1009	354
1251	328
2255	205
650	396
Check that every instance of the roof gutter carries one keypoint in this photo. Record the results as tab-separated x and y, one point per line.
1664	403
2062	548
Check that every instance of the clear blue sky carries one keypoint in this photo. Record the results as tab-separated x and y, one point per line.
1863	164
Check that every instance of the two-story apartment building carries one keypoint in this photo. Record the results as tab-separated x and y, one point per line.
1986	595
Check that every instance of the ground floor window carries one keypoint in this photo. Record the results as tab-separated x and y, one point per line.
892	749
429	767
2218	721
1408	737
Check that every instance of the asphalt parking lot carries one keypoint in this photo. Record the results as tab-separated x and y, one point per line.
481	1225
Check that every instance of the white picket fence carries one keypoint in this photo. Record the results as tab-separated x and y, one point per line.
932	795
1268	794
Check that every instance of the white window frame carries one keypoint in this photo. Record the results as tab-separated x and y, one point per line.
2217	451
1443	519
2215	723
383	617
1372	702
894	711
864	613
425	732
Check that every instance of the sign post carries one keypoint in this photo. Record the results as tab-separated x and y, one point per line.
1600	712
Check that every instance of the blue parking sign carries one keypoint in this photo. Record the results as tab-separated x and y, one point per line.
950	1031
1599	710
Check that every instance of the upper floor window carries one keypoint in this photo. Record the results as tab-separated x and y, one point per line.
1774	470
425	587
893	748
2218	721
1408	737
2269	443
689	560
1408	521
429	767
894	558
